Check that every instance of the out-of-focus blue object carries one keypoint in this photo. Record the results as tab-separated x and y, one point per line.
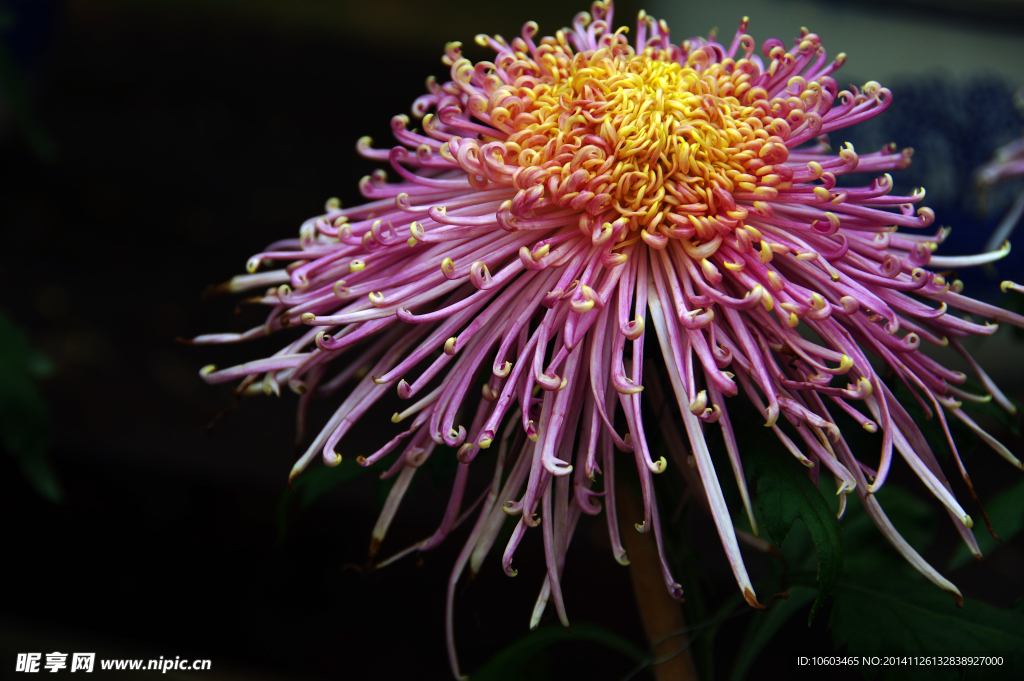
954	127
28	29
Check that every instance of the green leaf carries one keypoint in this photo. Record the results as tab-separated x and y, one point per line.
513	662
785	494
443	465
866	547
963	436
312	485
1006	511
24	421
931	427
911	617
766	624
1010	421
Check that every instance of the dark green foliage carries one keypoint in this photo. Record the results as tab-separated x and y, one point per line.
867	549
24	421
513	663
785	494
875	615
882	606
1006	511
767	624
312	485
316	482
1010	421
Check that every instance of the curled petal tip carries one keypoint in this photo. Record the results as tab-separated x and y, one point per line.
865	386
448	268
833	432
465	452
558	468
698	405
634	329
845	364
404	391
455	437
294	473
628	388
622	558
751	598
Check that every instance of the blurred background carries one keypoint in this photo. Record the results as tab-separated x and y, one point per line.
149	147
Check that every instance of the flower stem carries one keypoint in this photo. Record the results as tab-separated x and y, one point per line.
661	615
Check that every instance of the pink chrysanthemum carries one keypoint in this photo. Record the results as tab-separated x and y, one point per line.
566	200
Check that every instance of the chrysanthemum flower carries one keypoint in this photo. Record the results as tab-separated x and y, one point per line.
1006	164
581	200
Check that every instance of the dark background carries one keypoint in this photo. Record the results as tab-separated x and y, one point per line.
163	144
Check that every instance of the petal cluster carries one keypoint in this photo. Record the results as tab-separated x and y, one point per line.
580	200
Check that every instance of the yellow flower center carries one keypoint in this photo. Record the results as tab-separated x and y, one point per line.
667	146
